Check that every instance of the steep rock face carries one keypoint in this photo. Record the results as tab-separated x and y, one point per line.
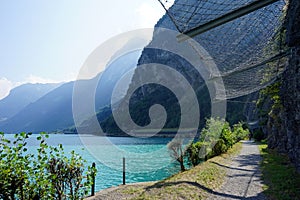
291	116
233	45
150	94
284	126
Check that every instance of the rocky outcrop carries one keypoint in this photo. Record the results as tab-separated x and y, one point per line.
290	92
284	125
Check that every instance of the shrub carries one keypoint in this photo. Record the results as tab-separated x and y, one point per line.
227	136
49	174
219	148
212	130
216	138
240	132
196	152
192	154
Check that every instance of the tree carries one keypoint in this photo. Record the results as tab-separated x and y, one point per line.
176	151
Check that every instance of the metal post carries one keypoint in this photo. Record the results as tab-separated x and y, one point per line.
93	180
123	170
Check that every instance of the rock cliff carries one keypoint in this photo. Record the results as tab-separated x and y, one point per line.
284	126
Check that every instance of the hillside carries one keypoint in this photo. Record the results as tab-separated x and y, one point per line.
22	96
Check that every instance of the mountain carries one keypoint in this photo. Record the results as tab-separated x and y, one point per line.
143	96
50	110
53	111
22	96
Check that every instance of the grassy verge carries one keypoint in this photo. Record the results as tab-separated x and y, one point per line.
282	182
191	184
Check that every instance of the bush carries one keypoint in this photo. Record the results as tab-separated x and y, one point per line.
227	136
240	132
196	152
216	138
47	175
219	148
192	154
212	130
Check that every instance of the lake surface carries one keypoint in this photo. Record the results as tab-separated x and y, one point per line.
147	159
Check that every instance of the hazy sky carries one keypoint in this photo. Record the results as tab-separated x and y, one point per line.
48	41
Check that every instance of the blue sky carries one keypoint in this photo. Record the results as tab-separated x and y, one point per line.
48	41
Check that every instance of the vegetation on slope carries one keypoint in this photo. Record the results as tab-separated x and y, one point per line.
279	175
216	138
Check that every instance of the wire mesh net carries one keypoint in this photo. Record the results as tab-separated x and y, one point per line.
248	51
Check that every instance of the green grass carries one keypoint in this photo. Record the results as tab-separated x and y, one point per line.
281	180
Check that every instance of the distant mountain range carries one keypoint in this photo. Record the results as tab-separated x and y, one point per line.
35	107
22	96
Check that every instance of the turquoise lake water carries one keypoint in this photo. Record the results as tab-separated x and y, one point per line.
147	159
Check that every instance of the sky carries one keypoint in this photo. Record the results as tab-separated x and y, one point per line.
48	41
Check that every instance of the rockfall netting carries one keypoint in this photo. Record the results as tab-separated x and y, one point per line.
249	51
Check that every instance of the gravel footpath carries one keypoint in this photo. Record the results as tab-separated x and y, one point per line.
243	177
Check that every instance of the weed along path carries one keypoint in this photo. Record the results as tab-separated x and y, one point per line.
243	176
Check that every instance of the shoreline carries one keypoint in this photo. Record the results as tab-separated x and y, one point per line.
164	134
142	135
